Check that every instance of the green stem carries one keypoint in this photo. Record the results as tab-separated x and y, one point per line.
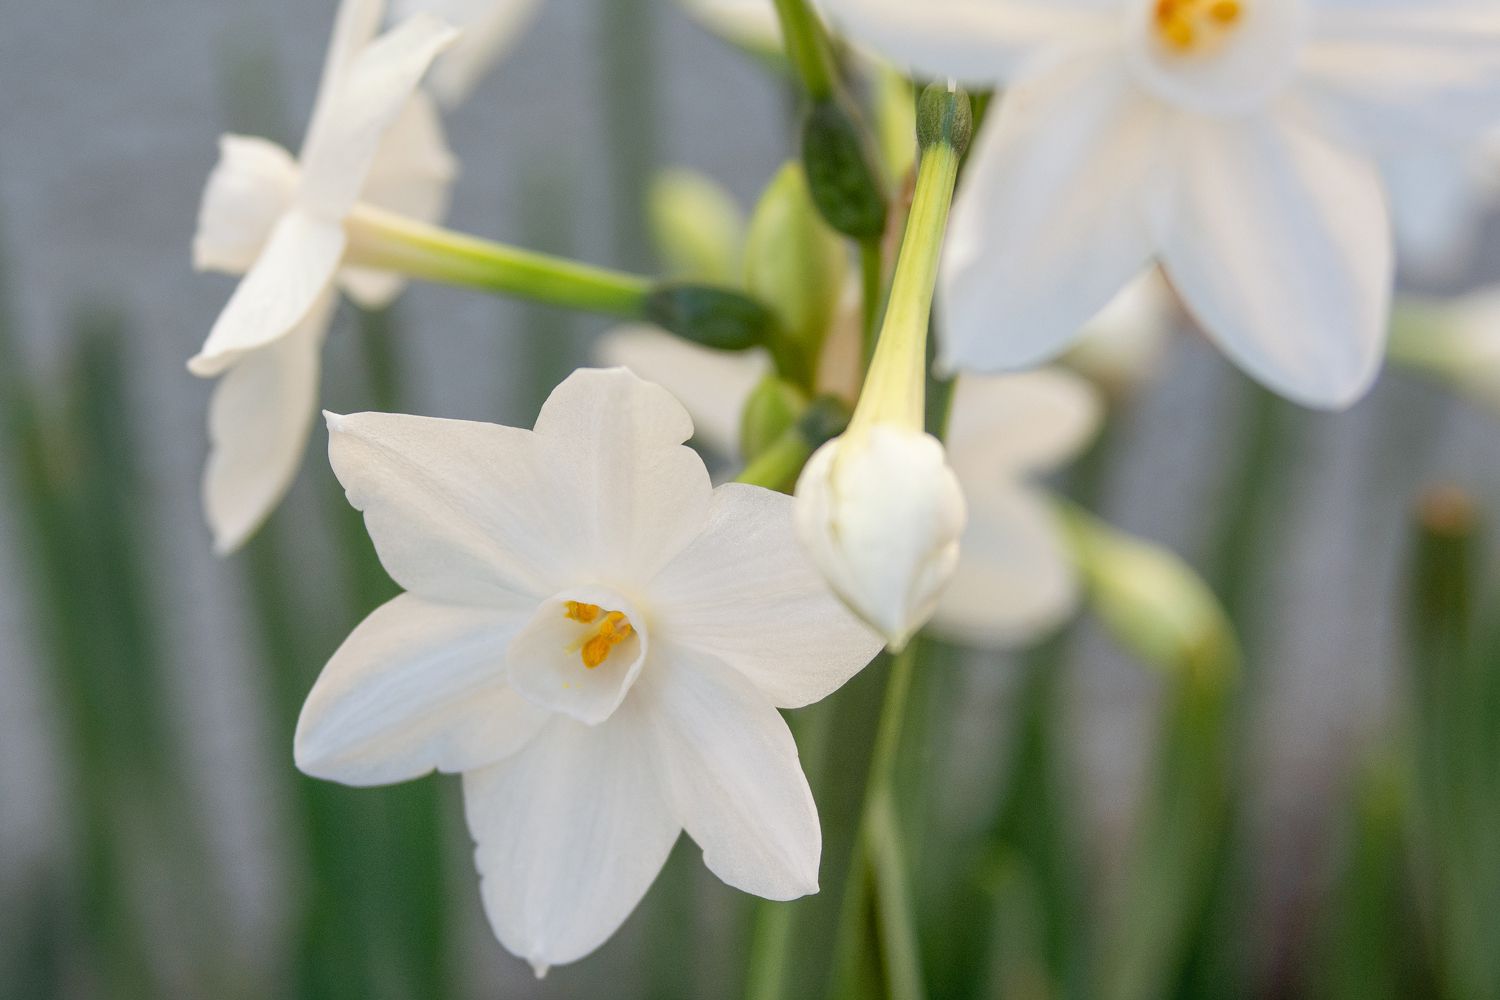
875	869
807	48
385	241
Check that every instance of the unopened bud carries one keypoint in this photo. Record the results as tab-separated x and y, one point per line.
795	262
841	172
713	317
880	512
772	409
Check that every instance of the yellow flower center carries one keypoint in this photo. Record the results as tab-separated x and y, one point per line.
611	629
1189	25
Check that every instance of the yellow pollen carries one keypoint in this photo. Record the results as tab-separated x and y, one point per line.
1185	24
614	629
582	613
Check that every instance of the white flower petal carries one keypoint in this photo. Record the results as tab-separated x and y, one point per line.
745	592
341	149
735	781
1122	346
880	512
251	187
1015	578
459	511
1057	213
1411	70
354	28
570	834
258	424
1007	425
977	41
711	385
1283	253
416	687
292	275
636	494
751	23
413	177
490	29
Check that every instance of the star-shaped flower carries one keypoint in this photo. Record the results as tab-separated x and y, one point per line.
1232	140
1014	579
280	221
598	640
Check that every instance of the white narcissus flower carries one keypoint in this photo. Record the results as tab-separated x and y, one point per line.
1234	141
598	640
1014	578
1122	347
490	30
279	221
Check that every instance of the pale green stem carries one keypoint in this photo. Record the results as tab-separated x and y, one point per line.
388	242
807	47
876	863
896	384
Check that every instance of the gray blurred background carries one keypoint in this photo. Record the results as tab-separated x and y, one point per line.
109	114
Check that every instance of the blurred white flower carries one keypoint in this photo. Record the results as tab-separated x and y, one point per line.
752	24
1014	578
490	30
279	221
1233	140
597	640
1122	347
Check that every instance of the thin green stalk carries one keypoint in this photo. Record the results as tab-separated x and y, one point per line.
877	888
808	48
385	241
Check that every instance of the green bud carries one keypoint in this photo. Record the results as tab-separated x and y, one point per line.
1152	601
697	227
841	172
825	419
795	262
944	116
712	317
895	123
772	409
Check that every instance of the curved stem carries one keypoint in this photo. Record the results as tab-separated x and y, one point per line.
388	242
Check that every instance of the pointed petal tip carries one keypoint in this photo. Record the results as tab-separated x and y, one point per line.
539	967
205	365
335	421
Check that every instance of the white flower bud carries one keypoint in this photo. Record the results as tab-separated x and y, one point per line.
880	512
249	190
